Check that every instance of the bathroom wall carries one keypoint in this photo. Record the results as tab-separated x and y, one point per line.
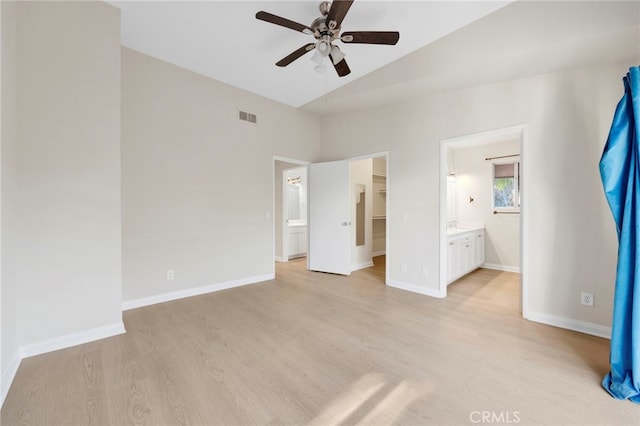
474	180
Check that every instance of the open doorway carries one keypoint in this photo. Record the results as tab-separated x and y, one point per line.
290	208
481	205
368	180
295	213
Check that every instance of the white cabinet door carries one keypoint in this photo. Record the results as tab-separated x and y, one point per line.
467	255
302	242
478	248
452	258
463	256
297	241
293	244
459	258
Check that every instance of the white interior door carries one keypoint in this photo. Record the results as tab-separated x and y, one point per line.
329	218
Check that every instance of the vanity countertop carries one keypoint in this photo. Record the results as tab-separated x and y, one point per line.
462	230
295	225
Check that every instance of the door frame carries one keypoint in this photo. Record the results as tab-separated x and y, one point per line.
284	234
482	138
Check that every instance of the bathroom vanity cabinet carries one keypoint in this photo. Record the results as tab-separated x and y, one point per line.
465	252
297	241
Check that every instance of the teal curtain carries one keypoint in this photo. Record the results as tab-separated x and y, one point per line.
620	172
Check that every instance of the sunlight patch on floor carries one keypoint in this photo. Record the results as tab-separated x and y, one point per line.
350	400
385	411
389	409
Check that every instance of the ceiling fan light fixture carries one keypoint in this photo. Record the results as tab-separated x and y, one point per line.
317	57
324	48
336	55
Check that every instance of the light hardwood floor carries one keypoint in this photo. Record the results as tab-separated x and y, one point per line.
311	348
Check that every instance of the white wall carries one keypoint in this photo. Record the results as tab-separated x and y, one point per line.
571	244
68	162
361	174
474	179
197	182
8	286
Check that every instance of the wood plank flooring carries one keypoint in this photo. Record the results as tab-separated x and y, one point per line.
320	349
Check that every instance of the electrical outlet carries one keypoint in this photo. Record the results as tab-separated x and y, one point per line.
586	299
425	272
403	267
170	274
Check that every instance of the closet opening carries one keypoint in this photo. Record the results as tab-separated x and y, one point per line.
368	180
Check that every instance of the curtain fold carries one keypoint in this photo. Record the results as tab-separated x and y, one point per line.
620	172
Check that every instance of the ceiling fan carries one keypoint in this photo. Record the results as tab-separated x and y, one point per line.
326	29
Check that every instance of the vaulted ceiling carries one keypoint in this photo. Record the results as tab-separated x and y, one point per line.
443	45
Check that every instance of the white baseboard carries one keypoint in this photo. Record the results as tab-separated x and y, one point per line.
504	268
280	259
415	289
570	324
73	339
196	291
8	376
362	266
378	253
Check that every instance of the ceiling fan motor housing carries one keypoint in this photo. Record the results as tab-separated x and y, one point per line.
322	32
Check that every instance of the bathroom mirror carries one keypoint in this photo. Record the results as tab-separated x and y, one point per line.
451	198
360	213
293	198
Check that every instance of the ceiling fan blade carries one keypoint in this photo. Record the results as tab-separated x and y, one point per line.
295	55
341	67
371	37
337	12
283	22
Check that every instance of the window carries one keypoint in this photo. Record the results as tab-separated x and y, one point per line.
506	186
